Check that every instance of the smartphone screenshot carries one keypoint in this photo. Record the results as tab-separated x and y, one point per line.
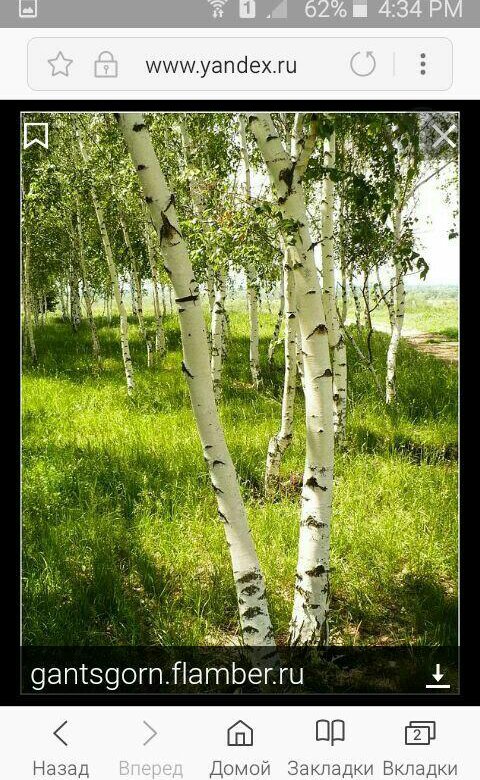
239	545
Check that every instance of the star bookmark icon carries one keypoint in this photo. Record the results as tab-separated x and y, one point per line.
60	65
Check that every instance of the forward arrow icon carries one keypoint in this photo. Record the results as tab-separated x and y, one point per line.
152	734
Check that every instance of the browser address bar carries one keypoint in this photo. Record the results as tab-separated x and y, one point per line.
240	64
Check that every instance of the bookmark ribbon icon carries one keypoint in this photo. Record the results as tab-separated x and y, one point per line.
35	133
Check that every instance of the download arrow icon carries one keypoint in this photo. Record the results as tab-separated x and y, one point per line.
438	675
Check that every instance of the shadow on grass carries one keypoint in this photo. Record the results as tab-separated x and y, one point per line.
372	442
415	608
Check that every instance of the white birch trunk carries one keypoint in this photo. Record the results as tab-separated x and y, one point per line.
87	294
75	310
275	340
399	308
164	303
211	287
252	297
250	587
218	333
356	301
311	601
366	299
133	293
386	297
63	303
136	279
252	276
197	201
27	300
122	311
160	342
335	335
281	441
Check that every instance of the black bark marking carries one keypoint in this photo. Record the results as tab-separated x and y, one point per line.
167	231
318	571
148	199
312	482
271	138
319	329
186	371
141	167
138	127
250	630
250	576
311	522
187	299
217	463
252	612
222	517
304	593
250	590
286	175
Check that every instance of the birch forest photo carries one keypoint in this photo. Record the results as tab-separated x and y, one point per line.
240	379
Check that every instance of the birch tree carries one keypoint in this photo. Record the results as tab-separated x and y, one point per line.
250	587
281	441
87	293
335	335
311	599
27	298
251	274
122	312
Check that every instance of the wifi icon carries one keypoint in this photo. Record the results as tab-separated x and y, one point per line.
217	7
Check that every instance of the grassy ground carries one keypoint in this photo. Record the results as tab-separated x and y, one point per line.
121	540
429	310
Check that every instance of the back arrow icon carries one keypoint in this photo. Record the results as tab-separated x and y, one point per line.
366	68
152	735
57	735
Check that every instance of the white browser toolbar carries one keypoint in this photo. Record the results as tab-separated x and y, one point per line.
327	64
223	63
199	743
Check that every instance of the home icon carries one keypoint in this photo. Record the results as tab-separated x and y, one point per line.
240	734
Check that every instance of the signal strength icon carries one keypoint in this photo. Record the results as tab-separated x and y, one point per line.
217	7
280	11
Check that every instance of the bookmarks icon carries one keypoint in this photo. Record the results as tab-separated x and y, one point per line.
331	731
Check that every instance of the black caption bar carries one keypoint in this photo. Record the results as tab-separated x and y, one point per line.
183	670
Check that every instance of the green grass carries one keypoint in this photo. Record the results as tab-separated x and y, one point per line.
429	310
121	542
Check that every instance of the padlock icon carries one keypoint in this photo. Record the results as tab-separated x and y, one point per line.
106	66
